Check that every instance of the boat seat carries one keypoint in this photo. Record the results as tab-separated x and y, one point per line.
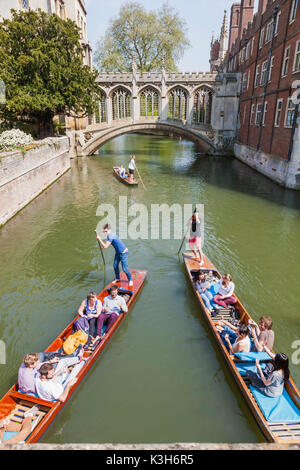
243	367
252	356
36	396
280	409
17	414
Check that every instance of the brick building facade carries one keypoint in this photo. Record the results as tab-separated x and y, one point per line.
265	49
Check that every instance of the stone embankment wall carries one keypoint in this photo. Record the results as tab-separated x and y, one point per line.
179	447
286	172
23	176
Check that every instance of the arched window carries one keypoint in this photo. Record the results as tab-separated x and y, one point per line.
100	113
202	106
121	104
177	104
149	103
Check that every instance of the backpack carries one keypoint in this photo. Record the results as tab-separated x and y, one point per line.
74	340
81	324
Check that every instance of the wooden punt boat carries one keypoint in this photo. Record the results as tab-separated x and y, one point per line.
124	180
279	432
15	403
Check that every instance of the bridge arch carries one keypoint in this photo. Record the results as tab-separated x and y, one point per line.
115	87
203	85
150	85
103	90
183	87
100	137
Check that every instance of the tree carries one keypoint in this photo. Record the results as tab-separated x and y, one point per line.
152	37
41	66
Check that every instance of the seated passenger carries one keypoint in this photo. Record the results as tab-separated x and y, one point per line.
242	342
22	429
202	286
210	277
225	297
122	171
262	333
31	364
271	381
90	308
113	305
49	384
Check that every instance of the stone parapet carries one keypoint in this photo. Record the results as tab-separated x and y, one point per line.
157	77
191	447
23	176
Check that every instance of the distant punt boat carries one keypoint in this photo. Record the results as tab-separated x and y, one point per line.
124	179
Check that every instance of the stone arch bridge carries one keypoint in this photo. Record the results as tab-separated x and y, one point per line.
201	107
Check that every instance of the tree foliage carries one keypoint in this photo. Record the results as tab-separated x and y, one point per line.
41	66
152	37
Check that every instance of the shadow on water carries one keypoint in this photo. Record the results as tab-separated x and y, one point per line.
241	178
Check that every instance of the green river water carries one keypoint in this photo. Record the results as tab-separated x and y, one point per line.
161	378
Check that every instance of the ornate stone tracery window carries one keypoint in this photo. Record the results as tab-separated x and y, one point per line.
121	104
202	106
100	114
149	103
177	104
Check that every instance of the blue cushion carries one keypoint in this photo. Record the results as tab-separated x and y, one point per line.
7	435
29	394
252	356
277	409
35	395
214	288
243	367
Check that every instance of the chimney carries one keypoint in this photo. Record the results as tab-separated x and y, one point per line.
234	24
262	5
247	12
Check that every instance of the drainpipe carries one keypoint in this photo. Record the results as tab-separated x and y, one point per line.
275	13
295	119
241	93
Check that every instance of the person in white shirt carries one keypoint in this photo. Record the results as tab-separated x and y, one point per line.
225	297
113	305
49	384
122	171
131	167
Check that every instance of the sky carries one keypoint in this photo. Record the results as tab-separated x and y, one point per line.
201	16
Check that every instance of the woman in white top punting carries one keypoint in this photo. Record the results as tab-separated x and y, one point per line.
195	236
225	297
131	167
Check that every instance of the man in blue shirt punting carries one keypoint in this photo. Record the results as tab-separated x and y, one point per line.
121	253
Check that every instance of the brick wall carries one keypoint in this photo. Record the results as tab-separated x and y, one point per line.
249	56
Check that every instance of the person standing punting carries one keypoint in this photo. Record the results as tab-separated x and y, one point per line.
121	253
195	236
131	167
